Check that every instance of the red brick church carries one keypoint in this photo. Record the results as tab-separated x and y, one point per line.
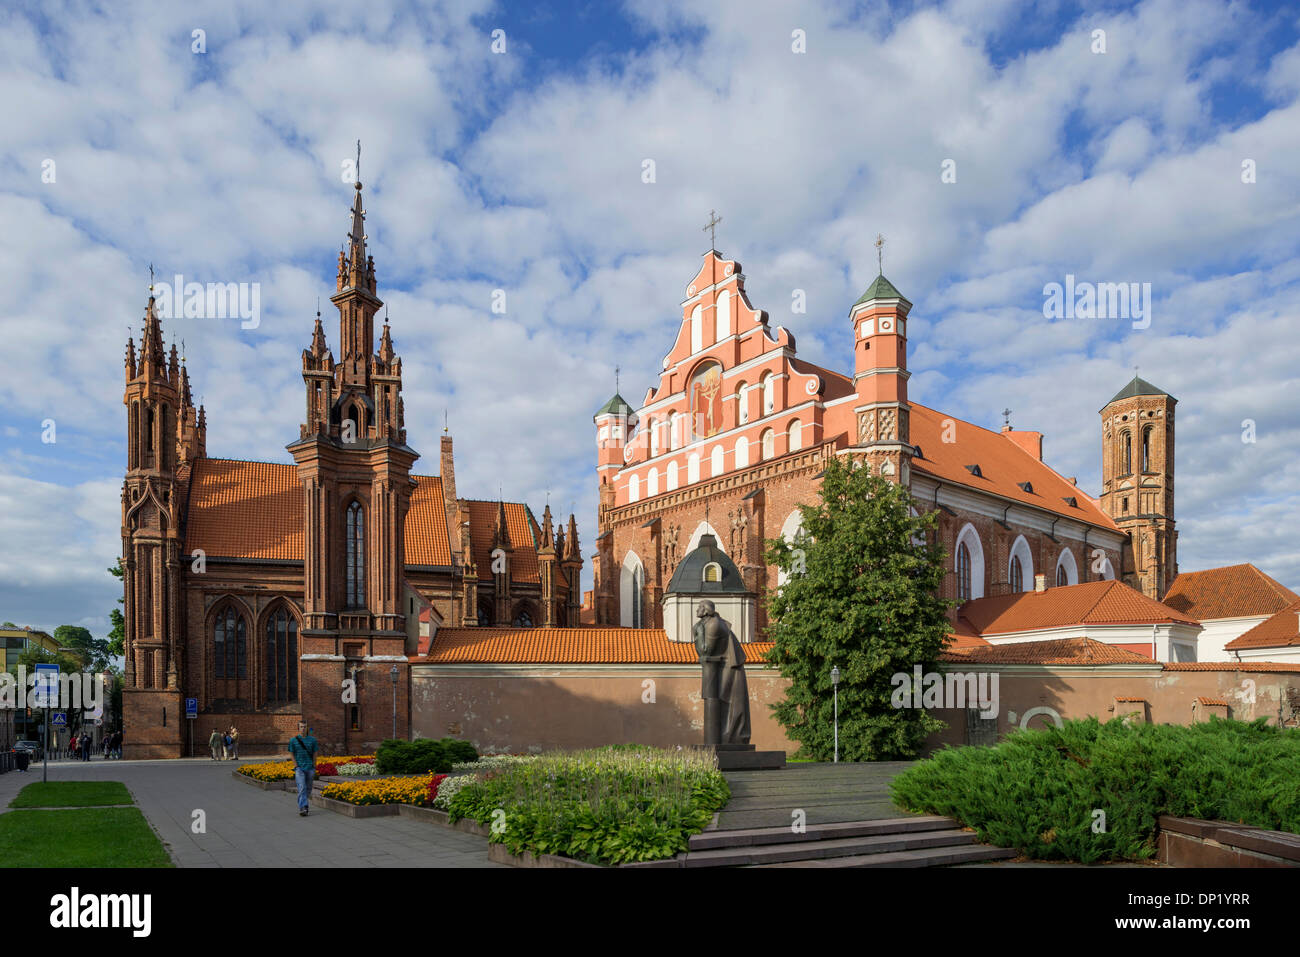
736	432
269	591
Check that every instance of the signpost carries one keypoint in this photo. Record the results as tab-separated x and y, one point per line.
191	712
47	691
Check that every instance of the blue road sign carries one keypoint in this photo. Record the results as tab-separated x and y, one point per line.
191	707
60	719
47	686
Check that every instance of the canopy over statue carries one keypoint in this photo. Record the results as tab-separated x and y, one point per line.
723	687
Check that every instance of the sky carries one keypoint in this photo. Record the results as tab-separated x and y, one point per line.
999	147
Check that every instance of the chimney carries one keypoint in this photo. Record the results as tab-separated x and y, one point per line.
1031	442
1040	582
451	507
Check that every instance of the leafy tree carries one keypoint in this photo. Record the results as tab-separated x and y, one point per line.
69	664
117	636
78	641
861	594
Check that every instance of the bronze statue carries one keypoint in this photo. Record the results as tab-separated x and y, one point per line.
723	688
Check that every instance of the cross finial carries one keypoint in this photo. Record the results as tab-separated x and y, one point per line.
358	162
1006	418
318	307
151	279
714	219
182	352
444	421
880	253
616	372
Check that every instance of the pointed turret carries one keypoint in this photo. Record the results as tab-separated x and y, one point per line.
130	358
319	348
571	552
386	353
501	533
548	535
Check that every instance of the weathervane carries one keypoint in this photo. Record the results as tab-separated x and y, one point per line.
1006	418
880	253
358	162
151	279
714	219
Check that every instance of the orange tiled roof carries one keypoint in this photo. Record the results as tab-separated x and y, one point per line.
245	510
1266	666
1090	603
1233	591
1280	631
427	541
962	639
240	509
1059	651
567	646
524	536
1003	464
1201	699
1130	699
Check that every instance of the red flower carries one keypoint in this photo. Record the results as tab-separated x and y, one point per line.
433	787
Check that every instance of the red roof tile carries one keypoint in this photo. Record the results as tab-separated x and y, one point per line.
1090	603
1238	666
1201	699
1233	591
1282	630
523	533
1003	463
1060	651
427	542
567	646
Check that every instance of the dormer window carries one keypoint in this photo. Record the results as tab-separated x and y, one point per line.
975	471
713	572
1026	487
1071	501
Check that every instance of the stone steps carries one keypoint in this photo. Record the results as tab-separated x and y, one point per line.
828	849
917	857
748	837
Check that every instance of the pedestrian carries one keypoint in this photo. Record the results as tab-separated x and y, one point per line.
214	743
225	746
234	743
85	747
303	748
72	746
117	744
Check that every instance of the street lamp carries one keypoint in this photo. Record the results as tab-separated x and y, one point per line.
835	686
393	674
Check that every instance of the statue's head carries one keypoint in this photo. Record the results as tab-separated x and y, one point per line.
705	609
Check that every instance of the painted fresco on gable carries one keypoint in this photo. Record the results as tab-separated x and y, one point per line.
705	393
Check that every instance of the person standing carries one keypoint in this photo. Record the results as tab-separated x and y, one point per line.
225	746
214	743
234	743
303	749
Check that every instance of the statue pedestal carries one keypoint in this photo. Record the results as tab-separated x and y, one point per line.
744	757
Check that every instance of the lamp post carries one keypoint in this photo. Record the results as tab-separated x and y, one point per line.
835	686
393	674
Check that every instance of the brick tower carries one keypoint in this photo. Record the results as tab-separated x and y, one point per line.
880	378
1137	481
164	435
613	421
355	468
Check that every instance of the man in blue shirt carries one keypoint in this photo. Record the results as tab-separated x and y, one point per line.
303	748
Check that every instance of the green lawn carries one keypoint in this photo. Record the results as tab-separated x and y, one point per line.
82	837
72	794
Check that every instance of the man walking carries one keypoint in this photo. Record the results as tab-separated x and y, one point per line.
303	748
214	743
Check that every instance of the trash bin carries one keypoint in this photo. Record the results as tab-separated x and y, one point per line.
21	758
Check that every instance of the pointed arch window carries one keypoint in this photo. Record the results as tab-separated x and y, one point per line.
281	657
355	536
1062	576
1146	449
963	572
1017	574
1127	463
769	394
230	645
742	404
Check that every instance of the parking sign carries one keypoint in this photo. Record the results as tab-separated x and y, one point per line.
46	690
191	707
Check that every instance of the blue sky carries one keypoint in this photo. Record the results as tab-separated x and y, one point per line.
521	171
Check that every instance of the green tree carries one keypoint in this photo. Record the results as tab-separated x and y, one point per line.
861	593
117	636
69	664
92	651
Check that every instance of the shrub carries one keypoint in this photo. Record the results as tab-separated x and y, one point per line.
422	756
1038	790
600	806
459	751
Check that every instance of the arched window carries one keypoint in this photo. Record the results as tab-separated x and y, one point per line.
485	614
631	591
742	404
1062	576
230	645
1128	454
281	657
717	460
769	443
674	429
672	476
796	435
724	315
769	394
654	436
523	617
969	564
1067	571
742	452
352	432
713	572
963	572
652	483
697	330
355	537
1146	449
638	587
1020	569
1017	574
693	467
633	489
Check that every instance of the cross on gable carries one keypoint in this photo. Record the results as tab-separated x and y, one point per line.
714	219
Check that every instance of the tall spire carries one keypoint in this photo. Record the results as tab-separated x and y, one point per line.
548	533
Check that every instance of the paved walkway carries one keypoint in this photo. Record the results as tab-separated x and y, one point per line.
249	827
827	793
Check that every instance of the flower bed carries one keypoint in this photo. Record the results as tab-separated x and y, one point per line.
283	770
494	762
403	790
356	769
601	806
